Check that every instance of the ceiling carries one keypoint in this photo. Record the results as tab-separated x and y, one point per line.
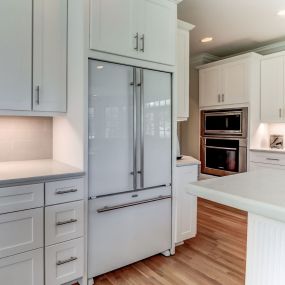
235	25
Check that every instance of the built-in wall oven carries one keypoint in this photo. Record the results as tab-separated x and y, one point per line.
224	141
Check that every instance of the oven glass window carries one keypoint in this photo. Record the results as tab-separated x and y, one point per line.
222	154
230	122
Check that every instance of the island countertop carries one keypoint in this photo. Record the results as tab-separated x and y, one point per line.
261	192
33	171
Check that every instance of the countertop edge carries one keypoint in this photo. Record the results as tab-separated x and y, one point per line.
244	204
40	179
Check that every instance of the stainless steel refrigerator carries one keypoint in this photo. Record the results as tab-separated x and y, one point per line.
129	165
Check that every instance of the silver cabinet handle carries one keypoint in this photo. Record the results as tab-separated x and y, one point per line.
272	159
219	98
136	37
142	41
66	222
61	262
61	192
112	208
223	97
280	113
37	94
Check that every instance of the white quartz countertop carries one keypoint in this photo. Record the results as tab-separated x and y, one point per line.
272	150
261	192
14	172
187	160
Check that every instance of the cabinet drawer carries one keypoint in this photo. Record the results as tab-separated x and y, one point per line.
64	222
64	262
189	173
268	158
25	268
64	191
19	198
21	231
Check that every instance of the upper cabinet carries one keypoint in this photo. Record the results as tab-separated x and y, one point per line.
182	69
50	55
227	82
33	55
16	54
273	88
142	29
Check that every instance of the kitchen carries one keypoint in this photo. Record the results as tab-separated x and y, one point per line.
97	100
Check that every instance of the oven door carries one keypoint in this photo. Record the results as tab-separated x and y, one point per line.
222	156
228	122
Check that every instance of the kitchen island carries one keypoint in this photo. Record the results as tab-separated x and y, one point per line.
262	194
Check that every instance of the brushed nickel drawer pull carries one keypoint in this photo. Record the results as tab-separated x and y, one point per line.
66	222
61	262
273	159
60	192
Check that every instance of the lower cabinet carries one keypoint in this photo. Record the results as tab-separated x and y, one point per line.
25	268
64	262
186	205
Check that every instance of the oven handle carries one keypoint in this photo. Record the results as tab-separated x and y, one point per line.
220	147
116	207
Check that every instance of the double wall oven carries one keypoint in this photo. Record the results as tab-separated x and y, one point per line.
224	141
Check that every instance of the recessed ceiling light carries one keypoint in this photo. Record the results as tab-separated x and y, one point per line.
207	39
281	13
100	67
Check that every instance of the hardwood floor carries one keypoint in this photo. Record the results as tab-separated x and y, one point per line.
216	256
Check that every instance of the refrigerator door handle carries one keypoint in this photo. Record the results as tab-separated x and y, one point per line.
134	130
116	207
142	128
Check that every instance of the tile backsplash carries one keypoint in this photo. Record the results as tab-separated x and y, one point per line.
25	138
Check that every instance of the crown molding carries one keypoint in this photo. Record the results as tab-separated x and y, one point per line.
271	48
203	58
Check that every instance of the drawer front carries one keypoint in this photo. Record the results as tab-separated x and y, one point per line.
64	191
21	231
25	268
64	262
268	158
189	174
19	198
64	222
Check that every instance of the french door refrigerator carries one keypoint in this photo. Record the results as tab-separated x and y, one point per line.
129	165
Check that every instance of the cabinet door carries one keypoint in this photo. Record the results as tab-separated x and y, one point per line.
21	231
50	55
272	89
26	268
158	31
113	27
186	213
235	83
182	74
155	143
16	54
209	86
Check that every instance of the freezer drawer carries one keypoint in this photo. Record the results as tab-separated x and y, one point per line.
124	229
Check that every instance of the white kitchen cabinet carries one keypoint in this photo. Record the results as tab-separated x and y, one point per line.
21	231
143	29
157	30
209	86
50	55
229	81
273	88
182	69
64	262
33	55
267	159
113	27
186	205
25	268
16	54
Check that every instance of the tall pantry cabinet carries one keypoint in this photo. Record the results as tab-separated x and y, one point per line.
33	55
